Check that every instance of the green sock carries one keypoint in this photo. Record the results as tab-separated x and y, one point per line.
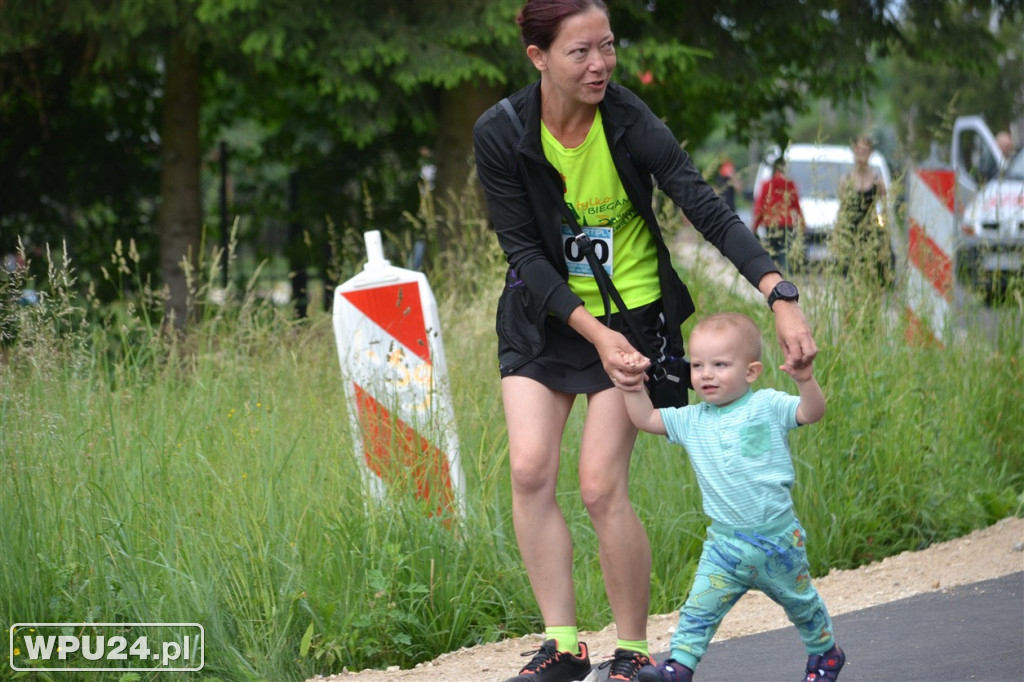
639	646
567	638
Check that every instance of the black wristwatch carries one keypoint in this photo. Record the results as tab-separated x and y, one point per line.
783	291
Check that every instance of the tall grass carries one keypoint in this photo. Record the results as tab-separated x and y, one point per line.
212	478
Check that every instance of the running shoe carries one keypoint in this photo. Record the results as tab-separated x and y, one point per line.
625	665
551	665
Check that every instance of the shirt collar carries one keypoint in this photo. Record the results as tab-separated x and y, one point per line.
734	405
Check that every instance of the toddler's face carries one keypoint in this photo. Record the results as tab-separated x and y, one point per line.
720	368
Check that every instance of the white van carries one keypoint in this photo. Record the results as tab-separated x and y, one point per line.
816	169
989	247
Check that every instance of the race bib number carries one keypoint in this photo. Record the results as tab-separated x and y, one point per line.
576	260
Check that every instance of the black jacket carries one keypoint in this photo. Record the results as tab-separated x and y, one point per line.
517	180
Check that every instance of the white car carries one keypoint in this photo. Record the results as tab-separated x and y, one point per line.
816	169
991	249
997	211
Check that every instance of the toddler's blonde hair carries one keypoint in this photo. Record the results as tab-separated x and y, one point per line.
747	331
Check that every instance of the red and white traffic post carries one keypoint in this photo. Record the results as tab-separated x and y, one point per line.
388	335
931	239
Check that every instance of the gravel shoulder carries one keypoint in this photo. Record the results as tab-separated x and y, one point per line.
988	553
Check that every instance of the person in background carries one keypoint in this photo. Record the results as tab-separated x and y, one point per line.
777	209
860	240
736	439
575	141
1005	142
727	183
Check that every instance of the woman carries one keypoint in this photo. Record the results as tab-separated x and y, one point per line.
552	346
860	240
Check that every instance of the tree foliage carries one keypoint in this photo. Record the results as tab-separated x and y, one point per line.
79	152
927	96
341	100
761	63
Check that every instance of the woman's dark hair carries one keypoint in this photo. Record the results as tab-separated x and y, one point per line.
863	138
540	20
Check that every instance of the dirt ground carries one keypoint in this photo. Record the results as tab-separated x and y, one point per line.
989	553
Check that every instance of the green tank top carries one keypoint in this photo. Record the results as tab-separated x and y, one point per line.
595	195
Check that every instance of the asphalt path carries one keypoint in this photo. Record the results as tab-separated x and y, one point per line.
971	632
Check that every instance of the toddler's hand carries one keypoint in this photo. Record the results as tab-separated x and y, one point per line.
802	373
635	359
631	374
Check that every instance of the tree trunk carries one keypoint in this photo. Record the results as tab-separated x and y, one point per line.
180	216
459	110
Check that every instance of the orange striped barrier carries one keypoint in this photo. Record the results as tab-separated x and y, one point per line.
932	236
388	335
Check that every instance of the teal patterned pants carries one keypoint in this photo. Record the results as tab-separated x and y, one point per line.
734	561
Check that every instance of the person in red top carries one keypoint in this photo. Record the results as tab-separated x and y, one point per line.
777	209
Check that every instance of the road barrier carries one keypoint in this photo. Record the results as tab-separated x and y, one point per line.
932	234
388	335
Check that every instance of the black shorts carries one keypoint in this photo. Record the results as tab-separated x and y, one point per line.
570	364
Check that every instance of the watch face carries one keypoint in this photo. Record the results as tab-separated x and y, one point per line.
786	290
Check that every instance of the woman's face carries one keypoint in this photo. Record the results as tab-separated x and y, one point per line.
580	61
861	152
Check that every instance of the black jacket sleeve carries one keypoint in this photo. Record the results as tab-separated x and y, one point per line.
655	148
526	223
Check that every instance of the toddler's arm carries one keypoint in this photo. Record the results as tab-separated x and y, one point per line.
642	413
812	399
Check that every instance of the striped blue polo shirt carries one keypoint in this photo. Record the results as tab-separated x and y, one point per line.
740	453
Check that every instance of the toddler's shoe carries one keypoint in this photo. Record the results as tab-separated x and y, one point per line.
826	666
669	671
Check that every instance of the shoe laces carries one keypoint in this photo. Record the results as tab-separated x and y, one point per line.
542	658
625	664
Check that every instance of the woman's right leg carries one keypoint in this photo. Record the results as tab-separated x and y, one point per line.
535	416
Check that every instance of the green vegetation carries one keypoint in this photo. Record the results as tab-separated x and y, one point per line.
284	112
212	478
